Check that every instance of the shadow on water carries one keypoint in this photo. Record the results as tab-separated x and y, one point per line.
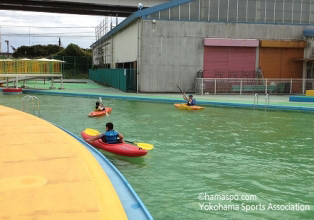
123	161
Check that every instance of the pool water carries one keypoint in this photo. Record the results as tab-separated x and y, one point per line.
215	151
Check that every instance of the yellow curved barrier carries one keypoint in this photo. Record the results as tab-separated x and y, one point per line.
47	174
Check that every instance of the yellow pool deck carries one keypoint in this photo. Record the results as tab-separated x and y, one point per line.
45	174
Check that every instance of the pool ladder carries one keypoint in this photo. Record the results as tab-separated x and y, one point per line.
266	101
256	101
32	98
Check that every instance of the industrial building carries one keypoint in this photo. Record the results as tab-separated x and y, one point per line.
176	42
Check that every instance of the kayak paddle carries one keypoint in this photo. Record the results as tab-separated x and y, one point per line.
181	91
91	132
142	145
100	101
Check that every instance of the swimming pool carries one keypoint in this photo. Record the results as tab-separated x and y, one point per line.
217	151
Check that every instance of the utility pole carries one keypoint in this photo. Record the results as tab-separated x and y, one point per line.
8	48
59	43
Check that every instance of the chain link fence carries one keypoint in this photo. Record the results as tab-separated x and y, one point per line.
75	67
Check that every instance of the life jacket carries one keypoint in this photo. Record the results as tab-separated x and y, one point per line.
193	102
110	137
99	108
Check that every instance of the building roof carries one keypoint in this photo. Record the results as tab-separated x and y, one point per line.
139	14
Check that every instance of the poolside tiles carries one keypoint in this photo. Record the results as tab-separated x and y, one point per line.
47	174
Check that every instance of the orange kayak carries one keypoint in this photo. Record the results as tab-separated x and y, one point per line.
187	107
100	113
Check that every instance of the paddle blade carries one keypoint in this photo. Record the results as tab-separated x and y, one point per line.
91	132
144	146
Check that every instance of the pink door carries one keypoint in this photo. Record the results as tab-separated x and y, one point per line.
229	62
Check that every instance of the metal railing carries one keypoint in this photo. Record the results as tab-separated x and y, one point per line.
266	101
32	98
255	100
252	85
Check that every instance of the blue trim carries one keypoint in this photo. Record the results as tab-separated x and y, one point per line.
199	102
132	204
308	32
138	14
301	98
11	93
231	22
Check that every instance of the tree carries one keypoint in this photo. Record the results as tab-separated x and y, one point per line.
74	50
77	61
35	51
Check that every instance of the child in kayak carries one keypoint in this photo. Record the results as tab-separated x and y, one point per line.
190	100
110	136
99	107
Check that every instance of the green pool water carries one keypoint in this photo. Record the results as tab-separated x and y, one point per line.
216	151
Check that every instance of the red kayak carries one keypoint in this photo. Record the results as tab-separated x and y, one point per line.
123	149
100	113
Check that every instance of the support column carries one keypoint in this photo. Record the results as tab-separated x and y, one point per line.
61	83
52	87
24	84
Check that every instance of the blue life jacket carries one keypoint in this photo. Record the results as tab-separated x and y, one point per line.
193	102
110	137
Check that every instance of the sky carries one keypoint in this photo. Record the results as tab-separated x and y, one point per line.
21	28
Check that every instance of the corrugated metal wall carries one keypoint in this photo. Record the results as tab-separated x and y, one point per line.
229	62
123	79
280	62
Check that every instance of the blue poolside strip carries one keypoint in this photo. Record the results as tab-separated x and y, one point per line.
301	98
285	107
132	204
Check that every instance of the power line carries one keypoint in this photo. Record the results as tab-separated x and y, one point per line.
52	33
39	35
41	26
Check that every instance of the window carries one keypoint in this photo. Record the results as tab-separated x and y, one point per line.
288	11
305	11
279	11
270	11
174	13
251	10
213	10
233	10
204	4
184	12
194	10
296	12
223	10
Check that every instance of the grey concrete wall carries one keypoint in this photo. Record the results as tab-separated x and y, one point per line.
171	54
172	51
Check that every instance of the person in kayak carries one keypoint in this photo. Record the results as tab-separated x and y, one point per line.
110	136
99	107
190	100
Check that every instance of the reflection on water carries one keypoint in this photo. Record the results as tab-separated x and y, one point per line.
214	151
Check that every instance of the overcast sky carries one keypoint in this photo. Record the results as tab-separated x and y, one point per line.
32	28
